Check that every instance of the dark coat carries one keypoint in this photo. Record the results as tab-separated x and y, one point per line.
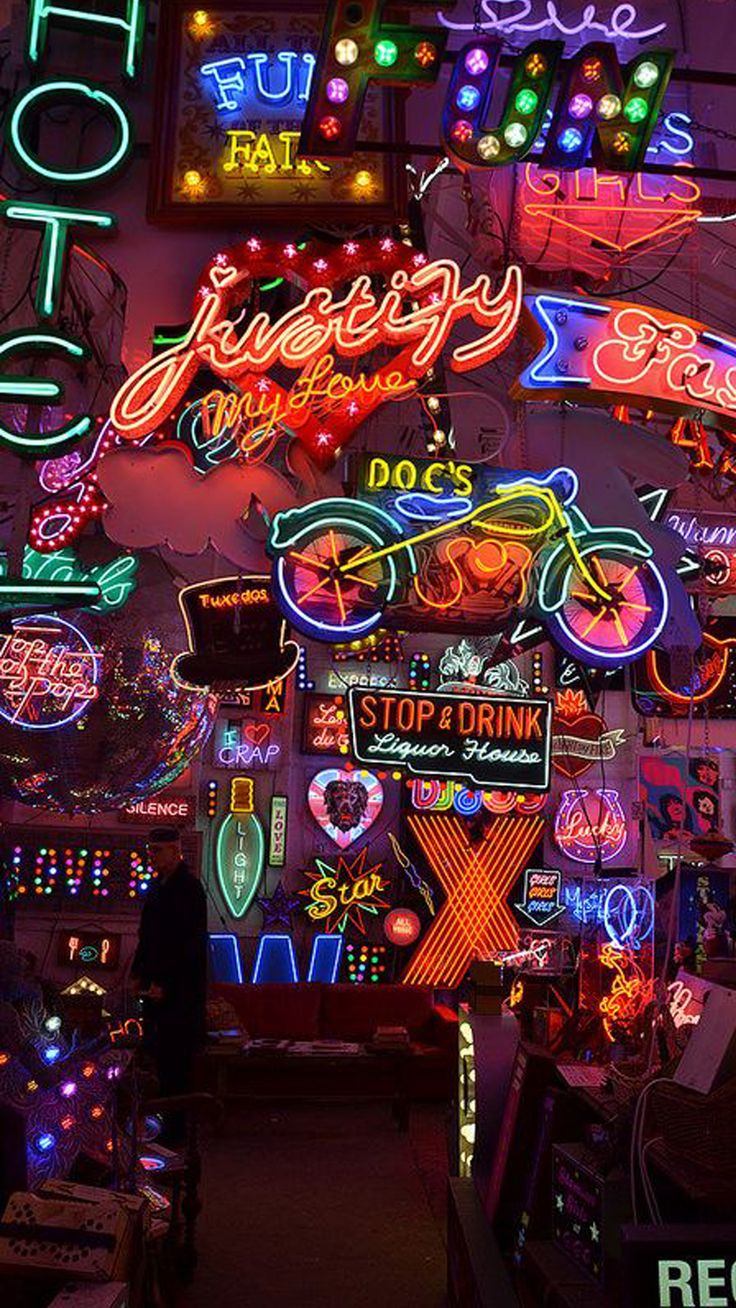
172	945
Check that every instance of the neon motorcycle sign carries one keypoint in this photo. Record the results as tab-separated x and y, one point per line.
342	565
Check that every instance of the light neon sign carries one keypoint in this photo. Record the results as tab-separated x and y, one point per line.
590	825
239	860
340	563
49	673
310	337
238	80
608	351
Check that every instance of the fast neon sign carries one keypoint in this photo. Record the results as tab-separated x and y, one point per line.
339	564
324	406
608	351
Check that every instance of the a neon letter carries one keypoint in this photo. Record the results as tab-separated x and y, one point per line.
55	223
133	24
32	99
35	390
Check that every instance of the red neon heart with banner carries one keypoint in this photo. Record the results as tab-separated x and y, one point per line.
475	920
323	406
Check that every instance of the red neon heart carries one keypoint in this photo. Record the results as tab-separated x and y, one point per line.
572	717
257	732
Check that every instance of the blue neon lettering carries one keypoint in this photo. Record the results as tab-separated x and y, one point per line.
231	82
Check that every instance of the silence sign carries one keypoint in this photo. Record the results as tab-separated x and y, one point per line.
500	743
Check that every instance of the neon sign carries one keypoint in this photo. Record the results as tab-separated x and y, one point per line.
590	825
402	926
498	743
540	901
323	406
618	27
102	588
714	537
277	831
581	737
239	860
624	909
254	77
49	673
629	994
608	351
90	948
601	109
340	896
325	725
475	920
439	796
247	745
339	564
345	804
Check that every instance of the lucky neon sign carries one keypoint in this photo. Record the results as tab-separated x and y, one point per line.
56	221
49	673
590	825
475	920
439	558
422	303
608	351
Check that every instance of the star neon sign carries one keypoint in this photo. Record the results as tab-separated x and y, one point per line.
475	919
339	896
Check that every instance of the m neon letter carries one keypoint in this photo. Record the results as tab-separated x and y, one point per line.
132	25
55	223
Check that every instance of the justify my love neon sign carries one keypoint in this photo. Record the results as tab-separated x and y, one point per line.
421	304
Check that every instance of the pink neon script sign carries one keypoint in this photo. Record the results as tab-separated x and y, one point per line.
590	824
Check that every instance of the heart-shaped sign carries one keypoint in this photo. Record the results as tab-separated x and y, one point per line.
580	737
345	804
257	732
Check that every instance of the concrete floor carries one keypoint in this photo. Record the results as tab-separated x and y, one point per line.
320	1206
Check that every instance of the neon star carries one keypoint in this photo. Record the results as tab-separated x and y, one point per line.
475	920
341	895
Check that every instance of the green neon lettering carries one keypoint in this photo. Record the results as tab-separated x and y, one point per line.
36	389
133	24
55	223
32	99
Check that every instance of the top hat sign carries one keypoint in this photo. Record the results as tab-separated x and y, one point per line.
236	634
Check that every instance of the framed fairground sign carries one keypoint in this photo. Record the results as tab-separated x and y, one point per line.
232	84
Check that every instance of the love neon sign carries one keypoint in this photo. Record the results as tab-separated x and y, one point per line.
475	920
416	314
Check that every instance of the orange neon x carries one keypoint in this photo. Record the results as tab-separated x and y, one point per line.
475	919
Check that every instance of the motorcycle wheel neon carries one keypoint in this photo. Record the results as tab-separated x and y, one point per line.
326	603
615	631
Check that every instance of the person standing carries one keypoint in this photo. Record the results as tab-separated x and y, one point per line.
169	969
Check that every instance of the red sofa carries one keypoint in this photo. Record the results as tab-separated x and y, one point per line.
314	1011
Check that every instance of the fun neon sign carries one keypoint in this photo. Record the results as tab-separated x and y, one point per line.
49	673
339	564
421	305
239	79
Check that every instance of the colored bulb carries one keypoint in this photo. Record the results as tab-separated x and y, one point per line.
569	140
636	109
476	61
467	97
608	106
591	69
526	101
329	127
385	53
621	143
489	146
337	90
515	135
580	106
363	179
646	74
535	65
346	51
51	1053
45	1142
462	131
425	54
192	178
